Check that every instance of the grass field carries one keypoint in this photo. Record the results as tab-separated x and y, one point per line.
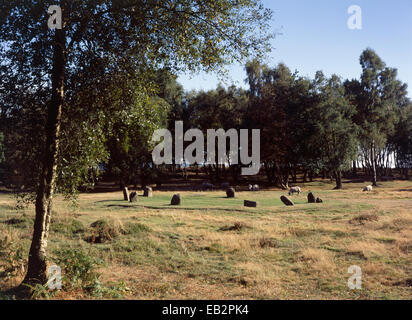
211	247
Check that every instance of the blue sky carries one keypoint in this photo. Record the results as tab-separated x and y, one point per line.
315	36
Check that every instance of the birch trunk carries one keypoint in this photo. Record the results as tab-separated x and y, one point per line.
373	161
37	264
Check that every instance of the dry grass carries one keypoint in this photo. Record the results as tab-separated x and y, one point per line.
214	248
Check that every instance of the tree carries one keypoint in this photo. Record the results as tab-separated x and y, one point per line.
402	141
210	110
336	134
128	137
280	102
130	39
377	96
1	155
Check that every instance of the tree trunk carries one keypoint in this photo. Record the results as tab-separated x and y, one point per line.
354	169
235	172
373	160
285	179
338	179
305	174
37	265
269	170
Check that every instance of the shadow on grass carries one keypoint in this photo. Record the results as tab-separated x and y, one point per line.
171	208
105	201
119	206
20	292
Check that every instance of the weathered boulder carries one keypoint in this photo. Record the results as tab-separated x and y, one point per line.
176	200
134	197
126	194
250	204
319	200
286	201
311	198
148	192
230	193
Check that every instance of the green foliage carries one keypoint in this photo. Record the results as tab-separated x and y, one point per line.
379	98
209	110
281	105
23	199
38	291
322	124
129	137
336	134
13	259
110	290
402	139
79	269
114	56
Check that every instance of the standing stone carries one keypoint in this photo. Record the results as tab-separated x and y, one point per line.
311	198
126	194
286	201
230	193
134	197
148	192
176	200
319	200
250	204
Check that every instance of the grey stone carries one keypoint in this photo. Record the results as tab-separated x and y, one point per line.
148	192
176	200
126	194
286	201
230	193
250	204
134	197
311	198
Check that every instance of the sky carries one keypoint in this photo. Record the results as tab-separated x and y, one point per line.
315	36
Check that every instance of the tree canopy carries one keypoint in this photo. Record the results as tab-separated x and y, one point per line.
70	83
